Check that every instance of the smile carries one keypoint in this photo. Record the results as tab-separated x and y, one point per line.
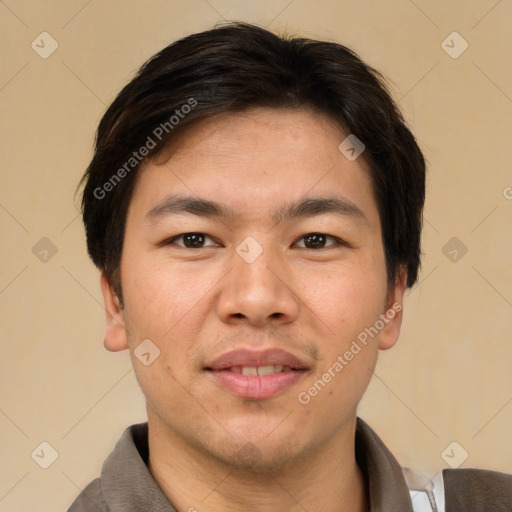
256	375
260	370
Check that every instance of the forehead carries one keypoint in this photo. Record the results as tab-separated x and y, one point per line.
266	131
255	161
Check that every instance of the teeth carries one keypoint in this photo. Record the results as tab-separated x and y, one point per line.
268	370
260	370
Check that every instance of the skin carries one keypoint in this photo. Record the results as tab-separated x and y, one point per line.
197	303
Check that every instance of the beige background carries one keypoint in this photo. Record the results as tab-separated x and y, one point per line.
449	378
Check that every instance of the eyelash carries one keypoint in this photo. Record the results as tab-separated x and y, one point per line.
338	241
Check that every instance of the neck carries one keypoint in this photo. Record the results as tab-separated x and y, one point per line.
325	480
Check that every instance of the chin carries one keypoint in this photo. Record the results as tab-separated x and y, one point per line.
254	449
258	459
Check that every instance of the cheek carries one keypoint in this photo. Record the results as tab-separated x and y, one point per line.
161	301
347	300
169	304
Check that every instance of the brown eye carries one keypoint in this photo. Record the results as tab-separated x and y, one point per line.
193	240
190	240
318	241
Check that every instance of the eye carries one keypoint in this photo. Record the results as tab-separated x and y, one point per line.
190	240
318	240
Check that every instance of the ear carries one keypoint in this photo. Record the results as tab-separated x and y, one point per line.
393	314
115	335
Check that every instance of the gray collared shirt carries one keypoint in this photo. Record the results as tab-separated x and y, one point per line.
127	485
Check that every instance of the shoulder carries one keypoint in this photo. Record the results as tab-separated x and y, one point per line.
477	489
90	499
460	490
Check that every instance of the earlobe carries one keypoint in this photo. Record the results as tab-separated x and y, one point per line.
115	335
394	313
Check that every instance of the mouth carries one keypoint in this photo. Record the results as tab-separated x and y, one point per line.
269	369
256	374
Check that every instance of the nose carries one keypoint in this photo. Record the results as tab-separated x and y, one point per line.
258	292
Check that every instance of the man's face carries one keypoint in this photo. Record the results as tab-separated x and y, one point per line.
285	290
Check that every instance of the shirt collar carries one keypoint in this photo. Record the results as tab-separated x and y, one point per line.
387	488
127	484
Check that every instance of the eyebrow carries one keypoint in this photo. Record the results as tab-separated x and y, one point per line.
307	207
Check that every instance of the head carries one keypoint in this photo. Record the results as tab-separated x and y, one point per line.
242	140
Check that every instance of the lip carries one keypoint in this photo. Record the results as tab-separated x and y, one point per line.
245	357
256	387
